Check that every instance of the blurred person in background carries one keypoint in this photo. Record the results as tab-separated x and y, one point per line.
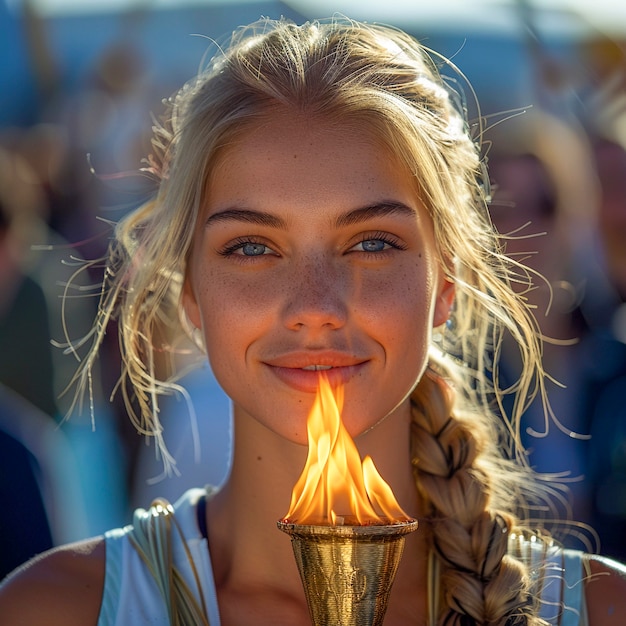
603	310
559	185
39	477
26	372
33	274
26	355
580	309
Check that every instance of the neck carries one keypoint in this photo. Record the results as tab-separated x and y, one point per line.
243	515
265	469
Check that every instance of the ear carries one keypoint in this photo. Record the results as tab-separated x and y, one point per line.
444	301
190	304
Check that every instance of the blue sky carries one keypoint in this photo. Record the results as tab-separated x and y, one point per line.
608	15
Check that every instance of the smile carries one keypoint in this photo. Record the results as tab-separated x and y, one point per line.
306	378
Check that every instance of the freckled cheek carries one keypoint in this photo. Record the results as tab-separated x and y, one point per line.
399	304
234	305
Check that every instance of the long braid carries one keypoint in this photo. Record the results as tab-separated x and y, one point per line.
479	582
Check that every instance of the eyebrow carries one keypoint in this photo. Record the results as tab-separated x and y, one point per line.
378	209
247	215
350	218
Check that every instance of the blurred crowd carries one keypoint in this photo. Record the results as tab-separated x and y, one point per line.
559	197
63	480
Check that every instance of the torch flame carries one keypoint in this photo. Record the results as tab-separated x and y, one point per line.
335	487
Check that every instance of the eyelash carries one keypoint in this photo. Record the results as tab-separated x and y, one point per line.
387	238
232	247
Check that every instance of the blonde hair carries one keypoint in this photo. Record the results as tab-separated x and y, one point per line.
350	72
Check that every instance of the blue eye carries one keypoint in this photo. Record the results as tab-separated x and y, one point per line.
253	249
373	245
378	242
246	248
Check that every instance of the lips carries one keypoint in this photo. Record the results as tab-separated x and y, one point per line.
308	380
301	371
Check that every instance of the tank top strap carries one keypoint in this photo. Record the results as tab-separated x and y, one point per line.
160	568
558	576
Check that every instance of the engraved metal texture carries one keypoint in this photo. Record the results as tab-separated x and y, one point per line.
347	571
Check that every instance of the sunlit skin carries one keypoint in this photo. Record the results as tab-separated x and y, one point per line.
314	249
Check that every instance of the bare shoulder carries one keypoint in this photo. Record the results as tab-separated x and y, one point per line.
606	592
61	586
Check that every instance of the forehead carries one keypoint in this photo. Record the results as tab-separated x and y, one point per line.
307	158
296	134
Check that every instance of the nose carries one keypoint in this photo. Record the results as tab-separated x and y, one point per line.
318	296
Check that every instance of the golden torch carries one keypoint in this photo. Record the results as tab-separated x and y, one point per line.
347	530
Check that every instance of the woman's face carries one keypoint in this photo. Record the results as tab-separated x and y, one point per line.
314	252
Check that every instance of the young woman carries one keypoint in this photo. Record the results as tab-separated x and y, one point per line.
322	205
